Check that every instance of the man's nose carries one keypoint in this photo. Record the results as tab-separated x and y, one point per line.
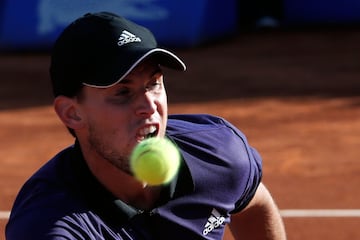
146	104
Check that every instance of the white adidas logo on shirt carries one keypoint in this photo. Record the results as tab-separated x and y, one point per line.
214	221
127	37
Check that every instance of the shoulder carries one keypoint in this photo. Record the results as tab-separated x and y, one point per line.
212	139
215	149
37	207
189	123
207	132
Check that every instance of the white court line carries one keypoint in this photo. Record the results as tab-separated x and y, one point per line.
296	213
4	215
287	213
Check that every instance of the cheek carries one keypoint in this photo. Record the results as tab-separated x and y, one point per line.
163	104
107	119
163	111
109	132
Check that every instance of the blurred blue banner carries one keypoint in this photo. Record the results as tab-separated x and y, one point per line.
36	23
316	12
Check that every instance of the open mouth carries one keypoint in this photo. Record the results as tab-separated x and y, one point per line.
148	132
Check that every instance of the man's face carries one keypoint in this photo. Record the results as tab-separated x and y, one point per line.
119	117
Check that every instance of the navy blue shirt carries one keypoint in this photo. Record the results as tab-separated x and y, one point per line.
218	176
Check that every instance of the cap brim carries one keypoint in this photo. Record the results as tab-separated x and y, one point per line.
164	57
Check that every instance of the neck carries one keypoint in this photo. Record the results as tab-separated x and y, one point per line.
124	186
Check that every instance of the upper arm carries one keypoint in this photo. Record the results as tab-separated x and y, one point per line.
260	219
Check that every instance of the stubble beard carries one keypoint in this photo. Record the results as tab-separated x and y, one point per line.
105	151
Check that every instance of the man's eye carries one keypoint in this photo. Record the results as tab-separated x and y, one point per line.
156	83
154	86
122	92
121	96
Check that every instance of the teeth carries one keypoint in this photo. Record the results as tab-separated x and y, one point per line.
148	130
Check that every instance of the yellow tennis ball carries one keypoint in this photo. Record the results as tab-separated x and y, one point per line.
155	161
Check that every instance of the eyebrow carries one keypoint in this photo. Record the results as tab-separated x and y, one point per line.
153	73
125	81
157	70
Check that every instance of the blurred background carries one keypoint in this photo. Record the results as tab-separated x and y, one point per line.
35	24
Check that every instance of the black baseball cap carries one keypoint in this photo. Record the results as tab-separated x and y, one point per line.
100	49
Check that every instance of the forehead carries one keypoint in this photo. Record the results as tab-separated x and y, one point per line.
148	66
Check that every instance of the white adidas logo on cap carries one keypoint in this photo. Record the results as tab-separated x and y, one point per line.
127	37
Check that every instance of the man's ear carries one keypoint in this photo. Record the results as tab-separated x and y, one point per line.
67	110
